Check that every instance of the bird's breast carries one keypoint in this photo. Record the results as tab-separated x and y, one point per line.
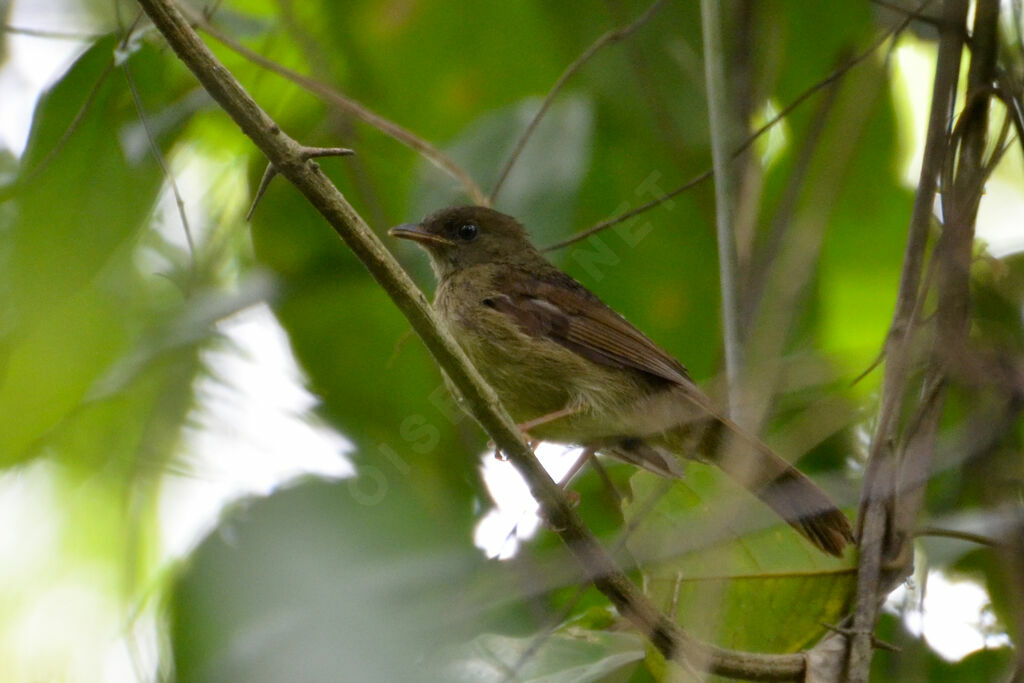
528	373
534	375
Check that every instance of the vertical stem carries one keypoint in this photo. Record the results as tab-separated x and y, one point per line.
953	256
722	143
879	540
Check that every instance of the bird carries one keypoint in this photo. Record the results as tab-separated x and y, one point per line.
569	369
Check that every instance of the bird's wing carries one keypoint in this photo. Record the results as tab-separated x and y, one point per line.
556	307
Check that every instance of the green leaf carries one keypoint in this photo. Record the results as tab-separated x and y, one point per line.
81	200
729	569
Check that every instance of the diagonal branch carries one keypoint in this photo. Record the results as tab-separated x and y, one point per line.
287	156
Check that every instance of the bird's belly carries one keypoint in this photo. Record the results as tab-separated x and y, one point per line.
524	373
537	377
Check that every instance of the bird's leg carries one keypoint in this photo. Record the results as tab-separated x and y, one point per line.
609	485
550	417
586	455
525	428
567	478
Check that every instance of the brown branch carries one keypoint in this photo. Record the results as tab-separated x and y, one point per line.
953	256
1012	96
953	259
287	157
885	521
608	38
359	111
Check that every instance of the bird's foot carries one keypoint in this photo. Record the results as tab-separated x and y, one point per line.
498	455
525	428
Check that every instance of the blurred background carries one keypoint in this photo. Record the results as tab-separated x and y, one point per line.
225	456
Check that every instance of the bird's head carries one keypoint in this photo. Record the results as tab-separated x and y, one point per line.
464	236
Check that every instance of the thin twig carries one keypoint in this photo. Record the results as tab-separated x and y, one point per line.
957	534
270	172
158	155
356	109
799	229
880	481
598	566
953	254
1012	96
910	13
313	49
1002	144
876	642
608	38
151	140
786	111
615	220
647	84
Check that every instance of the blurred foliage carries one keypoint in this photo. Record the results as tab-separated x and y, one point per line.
393	592
106	314
916	662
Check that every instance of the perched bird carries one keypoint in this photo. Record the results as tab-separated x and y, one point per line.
571	370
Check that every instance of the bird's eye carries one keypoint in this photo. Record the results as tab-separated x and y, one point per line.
467	232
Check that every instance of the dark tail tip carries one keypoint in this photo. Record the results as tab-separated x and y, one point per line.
830	531
809	510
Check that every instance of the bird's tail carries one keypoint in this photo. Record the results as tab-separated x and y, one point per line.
808	509
786	490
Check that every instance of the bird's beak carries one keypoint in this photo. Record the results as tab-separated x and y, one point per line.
416	233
